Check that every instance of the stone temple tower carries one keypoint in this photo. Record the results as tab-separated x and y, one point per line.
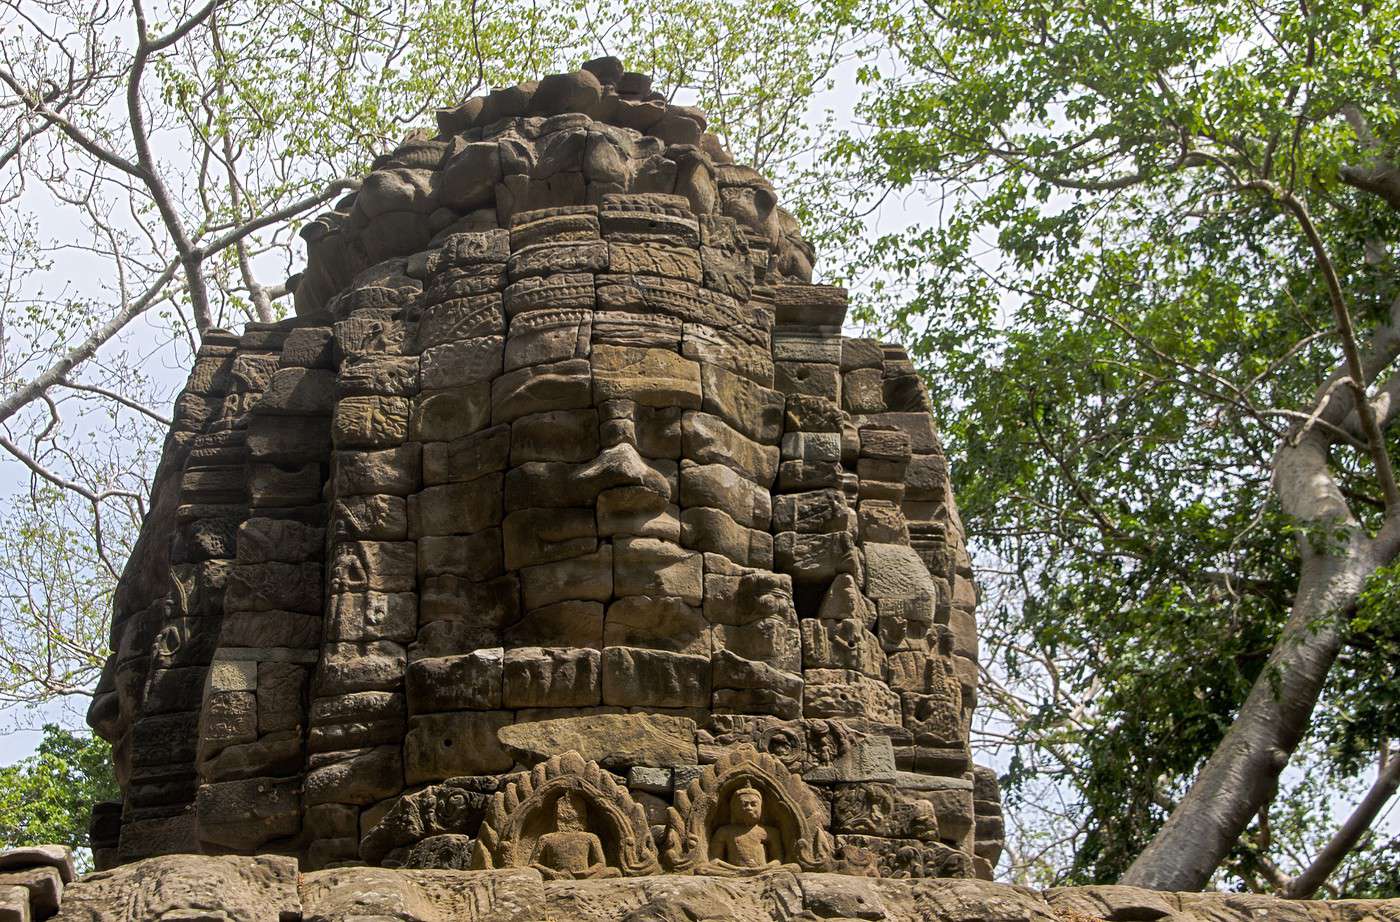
561	527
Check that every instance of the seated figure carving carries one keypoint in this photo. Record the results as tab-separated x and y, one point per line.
745	844
570	852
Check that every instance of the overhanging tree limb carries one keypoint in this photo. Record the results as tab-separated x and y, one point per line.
1349	833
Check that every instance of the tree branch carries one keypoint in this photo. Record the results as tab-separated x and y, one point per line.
1349	833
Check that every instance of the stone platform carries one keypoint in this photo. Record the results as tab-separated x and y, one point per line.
271	889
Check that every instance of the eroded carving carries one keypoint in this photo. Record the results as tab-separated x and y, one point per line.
567	818
746	812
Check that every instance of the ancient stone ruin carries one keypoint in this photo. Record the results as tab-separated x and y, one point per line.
559	559
561	527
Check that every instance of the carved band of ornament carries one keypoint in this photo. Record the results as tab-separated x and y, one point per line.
519	813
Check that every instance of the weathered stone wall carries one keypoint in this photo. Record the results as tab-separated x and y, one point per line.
562	481
265	889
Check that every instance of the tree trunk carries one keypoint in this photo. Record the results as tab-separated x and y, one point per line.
1241	776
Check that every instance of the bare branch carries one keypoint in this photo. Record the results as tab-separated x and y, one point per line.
1349	833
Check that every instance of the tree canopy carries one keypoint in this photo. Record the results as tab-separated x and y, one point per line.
1159	258
47	798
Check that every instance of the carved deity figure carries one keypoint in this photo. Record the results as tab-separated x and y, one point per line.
570	852
745	844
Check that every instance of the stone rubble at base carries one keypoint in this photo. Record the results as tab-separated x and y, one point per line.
32	880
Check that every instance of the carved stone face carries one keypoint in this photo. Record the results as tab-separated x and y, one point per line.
747	807
560	427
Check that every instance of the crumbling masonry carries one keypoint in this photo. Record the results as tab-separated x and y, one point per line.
561	508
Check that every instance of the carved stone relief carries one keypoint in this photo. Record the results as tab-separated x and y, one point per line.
569	819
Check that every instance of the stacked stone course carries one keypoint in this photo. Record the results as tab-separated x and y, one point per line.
562	485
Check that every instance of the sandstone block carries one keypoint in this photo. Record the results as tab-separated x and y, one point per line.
776	641
468	681
589	577
745	355
356	720
370	422
273	587
376	665
558	386
281	690
463	362
493	603
273	485
539	536
557	435
545	336
552	677
298	392
895	571
379	566
58	857
845	693
262	540
816	558
369	615
638	511
378	375
478	557
653	678
659	259
392	471
863	390
467	458
642	331
657	622
440	746
844	644
568	291
563	624
473	249
650	377
815	379
570	257
737	595
553	484
714	532
812	447
458	319
457	508
753	410
935	717
363	777
451	414
614	741
469	179
707	439
721	487
647	566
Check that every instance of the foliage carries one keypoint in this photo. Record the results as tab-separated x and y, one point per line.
46	798
56	580
1124	320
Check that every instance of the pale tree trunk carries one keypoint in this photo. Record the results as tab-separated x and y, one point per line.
1241	776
